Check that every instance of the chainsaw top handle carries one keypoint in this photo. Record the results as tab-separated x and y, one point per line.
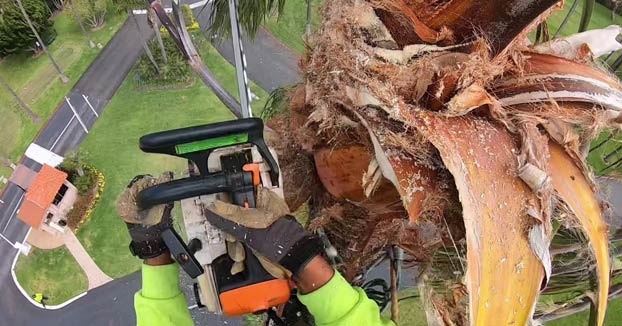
197	143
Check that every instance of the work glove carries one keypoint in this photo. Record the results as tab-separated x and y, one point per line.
145	226
268	230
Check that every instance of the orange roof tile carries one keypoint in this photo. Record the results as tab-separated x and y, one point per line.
31	214
40	195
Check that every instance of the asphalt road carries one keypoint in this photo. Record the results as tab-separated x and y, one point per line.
270	63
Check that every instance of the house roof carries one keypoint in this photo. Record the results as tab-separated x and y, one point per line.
31	214
40	195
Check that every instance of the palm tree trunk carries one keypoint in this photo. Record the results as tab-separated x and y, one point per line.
63	78
309	13
143	41
84	32
35	118
156	29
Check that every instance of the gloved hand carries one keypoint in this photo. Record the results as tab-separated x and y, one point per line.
145	226
267	230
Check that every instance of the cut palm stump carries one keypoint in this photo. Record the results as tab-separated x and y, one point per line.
435	126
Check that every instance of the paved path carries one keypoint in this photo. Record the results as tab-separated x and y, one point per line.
95	275
45	240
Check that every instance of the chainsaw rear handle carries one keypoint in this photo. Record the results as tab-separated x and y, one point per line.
196	143
175	190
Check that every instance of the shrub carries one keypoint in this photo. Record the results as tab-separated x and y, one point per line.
186	11
80	207
92	12
84	206
175	71
81	175
85	182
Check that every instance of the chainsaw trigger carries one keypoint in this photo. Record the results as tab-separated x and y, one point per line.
253	168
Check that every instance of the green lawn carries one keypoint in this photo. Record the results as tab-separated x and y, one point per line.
113	148
37	83
55	273
290	26
613	317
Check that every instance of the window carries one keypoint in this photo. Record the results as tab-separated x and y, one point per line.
60	194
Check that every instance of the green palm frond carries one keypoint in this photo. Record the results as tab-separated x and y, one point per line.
278	102
252	14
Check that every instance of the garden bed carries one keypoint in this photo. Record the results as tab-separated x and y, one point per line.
90	184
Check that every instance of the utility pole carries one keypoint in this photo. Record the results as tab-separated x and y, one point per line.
63	78
240	60
309	13
35	118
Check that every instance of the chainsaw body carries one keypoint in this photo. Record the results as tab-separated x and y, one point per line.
227	162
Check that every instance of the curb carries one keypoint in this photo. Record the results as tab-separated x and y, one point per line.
25	294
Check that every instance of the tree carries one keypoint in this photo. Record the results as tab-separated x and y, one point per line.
154	23
186	11
92	11
469	147
143	41
63	78
15	32
55	4
33	116
76	14
184	42
251	14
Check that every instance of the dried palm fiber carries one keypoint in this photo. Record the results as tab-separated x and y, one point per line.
431	125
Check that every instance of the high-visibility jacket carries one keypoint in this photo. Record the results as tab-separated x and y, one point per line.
161	302
38	297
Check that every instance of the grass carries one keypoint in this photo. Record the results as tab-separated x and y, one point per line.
612	318
410	310
38	84
290	26
113	148
55	273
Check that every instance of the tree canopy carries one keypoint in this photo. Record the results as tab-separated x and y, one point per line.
123	5
15	34
93	12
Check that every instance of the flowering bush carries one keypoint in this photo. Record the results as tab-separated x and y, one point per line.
85	205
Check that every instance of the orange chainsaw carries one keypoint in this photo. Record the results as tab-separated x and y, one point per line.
227	162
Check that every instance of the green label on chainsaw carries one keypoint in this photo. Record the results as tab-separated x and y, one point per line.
202	145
